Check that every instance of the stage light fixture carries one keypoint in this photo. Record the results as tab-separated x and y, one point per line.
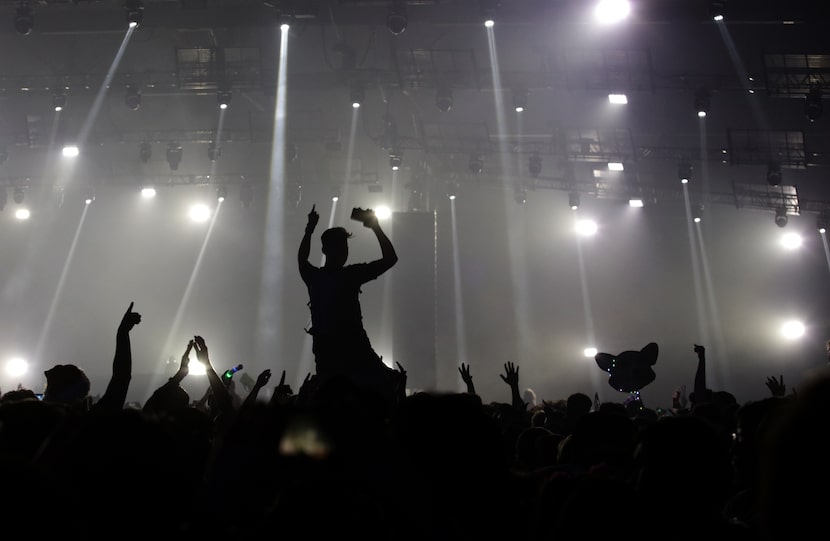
791	241
534	165
145	152
636	203
89	196
396	19
476	164
70	151
452	190
221	193
618	99
443	98
18	195
821	222
684	172
520	194
132	97
134	12
285	20
573	200
488	11
697	213
223	97
174	155
22	214
611	11
357	94
717	10
774	173
616	166
148	192
813	106
586	228
781	217
590	352
520	99
395	161
59	101
702	102
24	19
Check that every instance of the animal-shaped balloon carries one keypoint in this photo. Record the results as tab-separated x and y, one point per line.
630	370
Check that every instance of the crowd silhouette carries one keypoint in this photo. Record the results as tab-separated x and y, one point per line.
352	454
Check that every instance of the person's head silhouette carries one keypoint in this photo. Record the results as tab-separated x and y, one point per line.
335	246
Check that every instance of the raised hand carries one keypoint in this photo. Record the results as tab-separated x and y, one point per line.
464	370
201	350
184	367
511	374
511	377
467	378
700	350
263	377
776	387
313	218
282	392
371	220
130	320
678	398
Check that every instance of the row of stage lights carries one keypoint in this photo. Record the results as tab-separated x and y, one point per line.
397	18
605	11
24	15
197	212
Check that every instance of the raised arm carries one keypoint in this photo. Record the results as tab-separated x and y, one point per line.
388	255
261	381
700	374
218	389
305	244
467	377
511	377
122	365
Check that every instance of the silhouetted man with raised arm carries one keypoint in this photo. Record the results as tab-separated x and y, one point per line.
340	344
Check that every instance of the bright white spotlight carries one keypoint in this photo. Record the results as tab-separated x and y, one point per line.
284	27
356	104
586	228
616	166
199	213
618	99
452	197
697	219
792	329
16	367
590	352
22	214
383	212
148	193
611	11
70	151
196	369
636	203
791	241
701	114
335	199
88	200
223	105
489	23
